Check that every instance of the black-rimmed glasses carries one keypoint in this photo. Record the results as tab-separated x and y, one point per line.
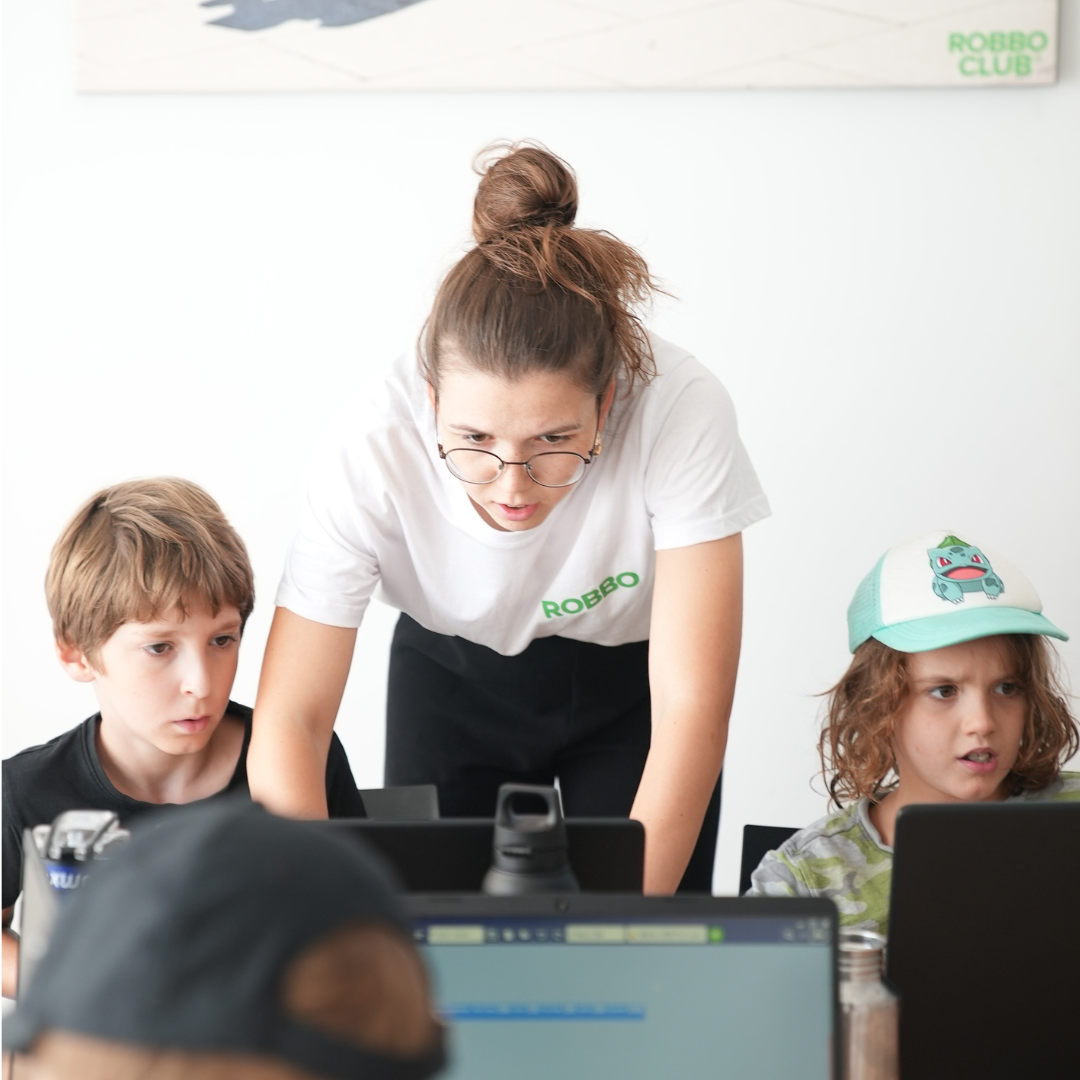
553	468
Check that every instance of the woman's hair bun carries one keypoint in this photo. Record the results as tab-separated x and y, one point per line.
536	293
523	186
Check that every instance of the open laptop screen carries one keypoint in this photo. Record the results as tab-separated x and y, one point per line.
629	987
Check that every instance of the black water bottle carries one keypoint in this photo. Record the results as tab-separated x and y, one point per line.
529	849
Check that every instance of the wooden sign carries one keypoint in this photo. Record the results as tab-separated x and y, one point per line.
275	45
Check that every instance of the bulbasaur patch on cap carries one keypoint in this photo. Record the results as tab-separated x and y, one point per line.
962	568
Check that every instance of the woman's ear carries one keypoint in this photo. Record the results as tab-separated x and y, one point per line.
606	399
432	396
74	661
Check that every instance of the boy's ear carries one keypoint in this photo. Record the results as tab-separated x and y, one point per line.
73	660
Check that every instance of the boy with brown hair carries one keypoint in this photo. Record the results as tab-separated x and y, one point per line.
149	588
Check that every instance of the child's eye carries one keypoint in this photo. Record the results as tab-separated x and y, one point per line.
224	640
158	648
1007	689
943	693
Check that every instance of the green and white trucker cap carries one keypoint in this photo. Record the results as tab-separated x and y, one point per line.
939	590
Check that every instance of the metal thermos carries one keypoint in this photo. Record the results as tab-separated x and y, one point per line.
869	1014
529	853
72	842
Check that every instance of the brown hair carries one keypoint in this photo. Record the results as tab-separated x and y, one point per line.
537	294
856	742
137	550
365	984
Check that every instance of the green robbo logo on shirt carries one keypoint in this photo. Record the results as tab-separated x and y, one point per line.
626	580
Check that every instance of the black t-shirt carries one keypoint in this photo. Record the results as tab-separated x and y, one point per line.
66	774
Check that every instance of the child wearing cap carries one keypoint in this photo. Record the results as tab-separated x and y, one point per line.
149	588
951	696
229	944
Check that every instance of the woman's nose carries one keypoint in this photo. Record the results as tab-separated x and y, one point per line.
515	479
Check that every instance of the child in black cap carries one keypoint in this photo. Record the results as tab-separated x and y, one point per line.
226	942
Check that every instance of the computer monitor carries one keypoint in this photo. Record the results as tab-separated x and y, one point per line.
984	939
453	854
633	988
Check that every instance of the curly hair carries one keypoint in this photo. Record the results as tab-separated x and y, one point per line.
856	744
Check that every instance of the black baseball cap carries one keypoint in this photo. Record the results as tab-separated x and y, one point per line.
181	941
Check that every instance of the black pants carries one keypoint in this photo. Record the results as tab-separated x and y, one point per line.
467	719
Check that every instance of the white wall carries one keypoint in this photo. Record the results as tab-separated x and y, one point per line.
887	282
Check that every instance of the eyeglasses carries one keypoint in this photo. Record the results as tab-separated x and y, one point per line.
553	469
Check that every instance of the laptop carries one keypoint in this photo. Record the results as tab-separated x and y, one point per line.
454	854
984	940
410	802
588	987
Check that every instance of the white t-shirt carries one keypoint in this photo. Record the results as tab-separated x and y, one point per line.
383	513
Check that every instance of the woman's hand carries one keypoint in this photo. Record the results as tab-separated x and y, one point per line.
694	641
303	677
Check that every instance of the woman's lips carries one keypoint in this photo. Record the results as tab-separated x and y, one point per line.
193	724
517	513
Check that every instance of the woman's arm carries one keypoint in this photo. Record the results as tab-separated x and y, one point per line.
10	977
303	677
694	640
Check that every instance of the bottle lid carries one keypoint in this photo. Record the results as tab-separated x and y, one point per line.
530	849
81	835
862	954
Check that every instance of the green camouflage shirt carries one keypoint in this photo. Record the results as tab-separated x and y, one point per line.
841	856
